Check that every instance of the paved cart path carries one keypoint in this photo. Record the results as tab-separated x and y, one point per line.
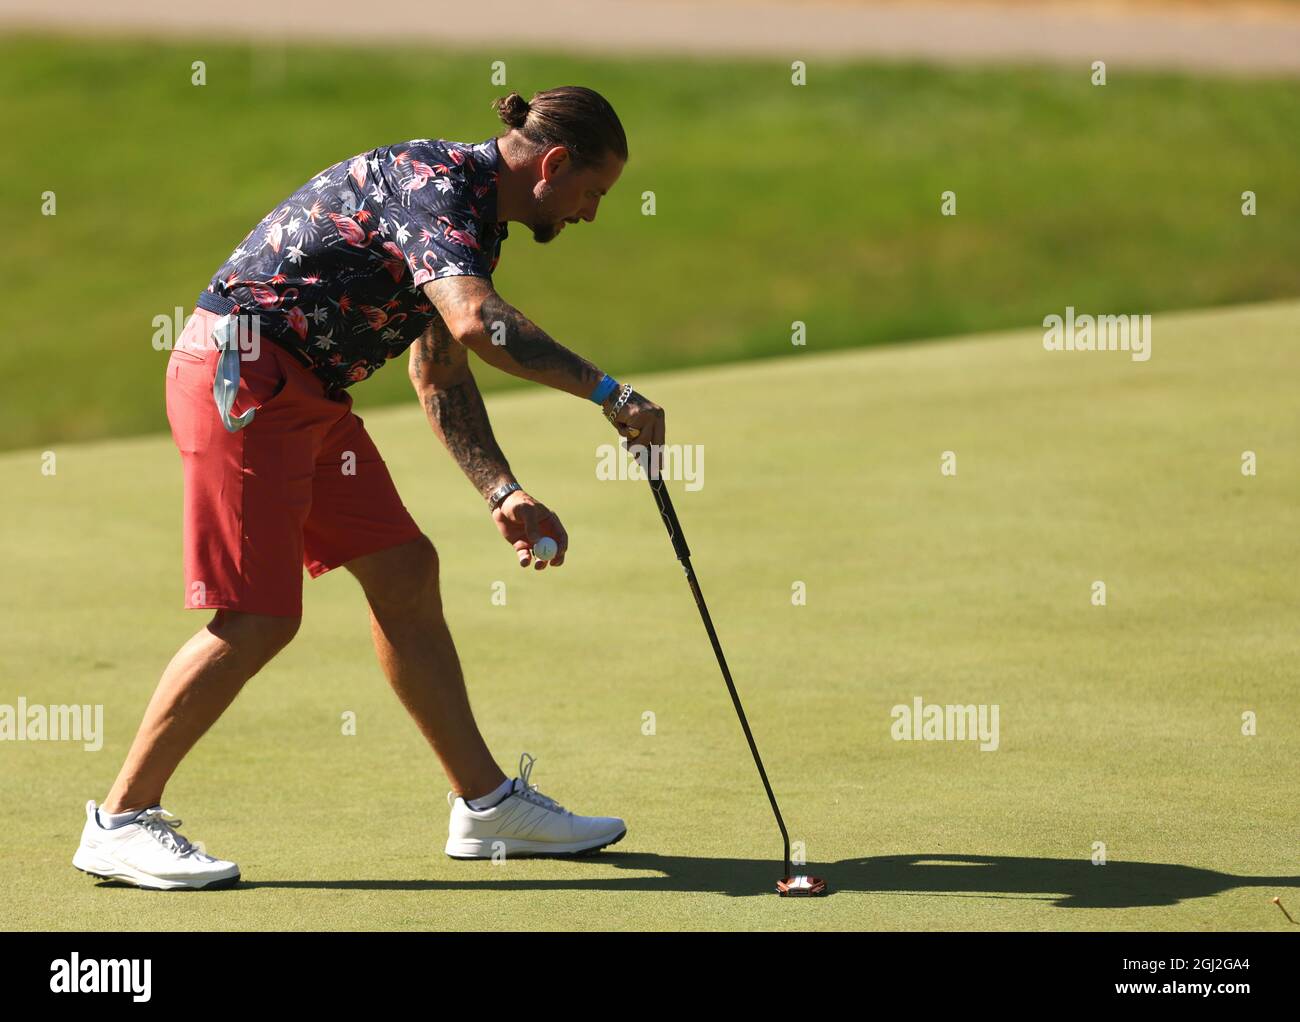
1190	36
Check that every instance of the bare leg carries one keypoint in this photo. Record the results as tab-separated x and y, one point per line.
202	679
417	653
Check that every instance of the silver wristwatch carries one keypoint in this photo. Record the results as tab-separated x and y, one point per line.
500	494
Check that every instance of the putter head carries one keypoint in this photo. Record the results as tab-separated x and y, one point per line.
801	887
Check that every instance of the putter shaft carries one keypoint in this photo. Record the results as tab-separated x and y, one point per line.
683	552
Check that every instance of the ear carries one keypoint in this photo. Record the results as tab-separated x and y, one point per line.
554	161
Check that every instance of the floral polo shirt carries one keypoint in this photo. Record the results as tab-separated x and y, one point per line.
334	273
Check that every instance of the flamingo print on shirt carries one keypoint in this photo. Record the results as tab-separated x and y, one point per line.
334	272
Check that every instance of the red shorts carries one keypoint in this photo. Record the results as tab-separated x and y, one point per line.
302	485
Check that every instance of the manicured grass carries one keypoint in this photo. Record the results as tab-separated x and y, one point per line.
1119	724
774	203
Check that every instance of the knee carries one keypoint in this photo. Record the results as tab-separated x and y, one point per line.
410	578
261	635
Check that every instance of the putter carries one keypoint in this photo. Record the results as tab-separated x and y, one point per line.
790	885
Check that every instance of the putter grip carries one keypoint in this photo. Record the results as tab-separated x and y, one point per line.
669	516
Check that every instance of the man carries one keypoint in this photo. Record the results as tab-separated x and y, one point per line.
388	250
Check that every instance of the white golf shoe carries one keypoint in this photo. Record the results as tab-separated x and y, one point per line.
526	823
149	852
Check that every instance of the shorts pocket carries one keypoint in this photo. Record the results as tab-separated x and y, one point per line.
194	344
191	411
261	380
191	365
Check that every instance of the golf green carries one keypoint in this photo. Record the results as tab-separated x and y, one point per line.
1120	727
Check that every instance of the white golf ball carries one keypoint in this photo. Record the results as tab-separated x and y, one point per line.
546	548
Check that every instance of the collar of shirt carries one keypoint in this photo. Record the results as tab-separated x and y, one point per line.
493	152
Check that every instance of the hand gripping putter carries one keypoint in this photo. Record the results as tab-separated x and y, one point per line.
790	885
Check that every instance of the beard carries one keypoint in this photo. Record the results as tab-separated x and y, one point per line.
543	233
547	225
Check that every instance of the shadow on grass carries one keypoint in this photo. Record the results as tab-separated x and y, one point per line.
1065	883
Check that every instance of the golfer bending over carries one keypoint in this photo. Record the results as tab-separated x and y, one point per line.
388	250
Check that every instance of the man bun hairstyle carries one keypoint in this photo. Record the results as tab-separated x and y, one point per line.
512	109
577	118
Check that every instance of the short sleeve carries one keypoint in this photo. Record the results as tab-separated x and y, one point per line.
434	215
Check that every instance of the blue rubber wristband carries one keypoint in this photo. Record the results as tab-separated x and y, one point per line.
604	388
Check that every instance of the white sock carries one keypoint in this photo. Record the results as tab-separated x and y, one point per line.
487	801
111	820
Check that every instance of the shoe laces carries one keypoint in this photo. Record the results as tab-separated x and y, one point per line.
165	829
530	792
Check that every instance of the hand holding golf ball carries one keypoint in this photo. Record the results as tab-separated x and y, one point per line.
533	530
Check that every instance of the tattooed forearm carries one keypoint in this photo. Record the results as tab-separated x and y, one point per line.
434	350
529	347
436	345
480	320
459	418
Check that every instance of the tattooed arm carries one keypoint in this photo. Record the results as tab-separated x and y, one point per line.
502	336
441	376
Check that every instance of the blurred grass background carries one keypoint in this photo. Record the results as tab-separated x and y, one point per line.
774	203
